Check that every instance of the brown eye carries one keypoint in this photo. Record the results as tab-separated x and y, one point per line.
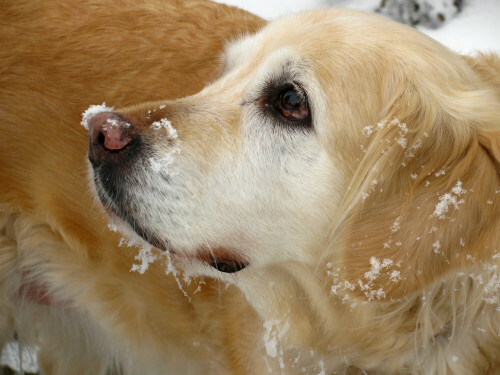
292	105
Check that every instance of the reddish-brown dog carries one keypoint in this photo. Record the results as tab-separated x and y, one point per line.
344	172
341	169
65	284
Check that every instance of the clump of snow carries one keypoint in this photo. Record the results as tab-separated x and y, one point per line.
164	123
441	172
396	225
436	246
92	111
158	164
172	270
116	123
369	292
492	287
403	129
365	195
334	273
395	276
449	199
112	227
275	331
457	189
349	285
146	256
470	257
409	152
402	141
322	368
367	130
376	267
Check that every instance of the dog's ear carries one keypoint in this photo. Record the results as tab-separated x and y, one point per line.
490	140
487	68
425	199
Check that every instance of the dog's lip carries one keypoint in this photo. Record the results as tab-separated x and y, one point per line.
222	259
228	267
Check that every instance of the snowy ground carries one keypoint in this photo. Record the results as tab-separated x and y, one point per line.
11	358
476	28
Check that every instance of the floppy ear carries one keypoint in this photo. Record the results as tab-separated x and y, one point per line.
490	140
487	67
424	201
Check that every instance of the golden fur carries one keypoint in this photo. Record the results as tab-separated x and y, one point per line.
58	57
374	250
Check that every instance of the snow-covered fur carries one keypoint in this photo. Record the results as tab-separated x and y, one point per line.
65	283
369	230
433	13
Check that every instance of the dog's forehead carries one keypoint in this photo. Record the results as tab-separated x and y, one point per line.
315	33
275	35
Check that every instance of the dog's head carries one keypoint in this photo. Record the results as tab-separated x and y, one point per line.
331	137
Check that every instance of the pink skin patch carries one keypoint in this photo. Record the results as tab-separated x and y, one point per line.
35	293
39	294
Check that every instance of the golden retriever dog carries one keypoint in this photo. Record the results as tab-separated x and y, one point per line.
65	283
343	172
332	200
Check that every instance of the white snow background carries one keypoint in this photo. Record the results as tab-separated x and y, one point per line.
476	28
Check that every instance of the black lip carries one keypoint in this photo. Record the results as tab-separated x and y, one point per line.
111	198
228	267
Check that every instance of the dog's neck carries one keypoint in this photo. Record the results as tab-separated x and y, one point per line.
305	325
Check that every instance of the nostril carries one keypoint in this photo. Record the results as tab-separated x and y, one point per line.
110	131
101	139
110	134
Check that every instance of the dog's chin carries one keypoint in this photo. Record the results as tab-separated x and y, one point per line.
220	258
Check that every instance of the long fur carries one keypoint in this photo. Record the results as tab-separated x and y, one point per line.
66	284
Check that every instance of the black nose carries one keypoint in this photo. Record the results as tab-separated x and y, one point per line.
111	138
